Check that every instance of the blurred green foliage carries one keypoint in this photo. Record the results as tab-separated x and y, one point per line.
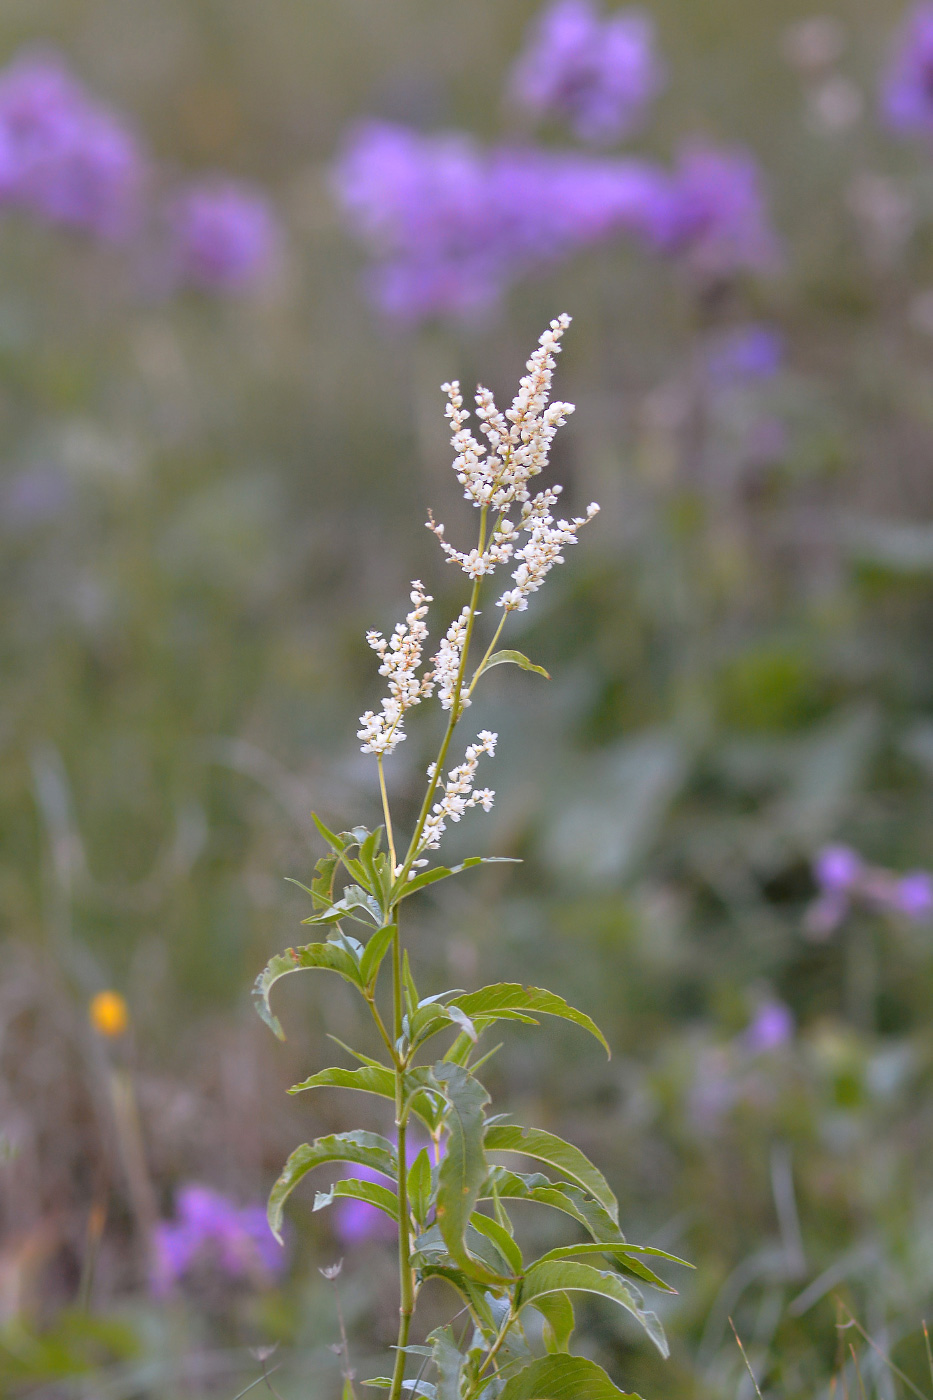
205	503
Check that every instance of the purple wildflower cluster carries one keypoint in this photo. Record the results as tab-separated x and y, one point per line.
451	225
598	75
844	878
907	84
211	1231
65	157
69	160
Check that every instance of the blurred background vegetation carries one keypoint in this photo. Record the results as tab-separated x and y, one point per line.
207	500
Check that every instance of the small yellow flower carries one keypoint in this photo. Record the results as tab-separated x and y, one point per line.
109	1013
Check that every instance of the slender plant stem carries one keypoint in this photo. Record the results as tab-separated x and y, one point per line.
387	814
494	1349
489	650
380	1026
406	1277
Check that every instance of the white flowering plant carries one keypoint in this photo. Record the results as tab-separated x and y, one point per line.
451	1202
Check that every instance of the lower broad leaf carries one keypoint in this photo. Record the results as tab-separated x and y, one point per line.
563	1378
463	1167
360	1148
569	1277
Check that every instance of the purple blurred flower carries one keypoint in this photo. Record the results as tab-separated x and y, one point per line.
600	75
63	156
210	1228
838	868
907	84
744	355
721	224
224	235
452	225
771	1027
842	876
913	895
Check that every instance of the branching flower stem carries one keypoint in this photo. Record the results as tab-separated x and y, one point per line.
406	1275
456	710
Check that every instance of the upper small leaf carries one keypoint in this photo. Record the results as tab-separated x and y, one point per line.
510	658
509	1000
363	1149
351	1188
331	957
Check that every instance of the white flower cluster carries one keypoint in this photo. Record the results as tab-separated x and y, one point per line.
540	554
447	661
458	794
400	656
497	475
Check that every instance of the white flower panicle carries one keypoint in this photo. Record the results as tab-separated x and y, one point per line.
519	439
447	662
541	553
459	794
400	656
496	475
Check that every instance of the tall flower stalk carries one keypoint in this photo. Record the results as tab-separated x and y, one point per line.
453	1223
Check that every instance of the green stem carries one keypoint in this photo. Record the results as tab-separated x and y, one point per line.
494	1349
387	814
380	1025
489	650
406	1277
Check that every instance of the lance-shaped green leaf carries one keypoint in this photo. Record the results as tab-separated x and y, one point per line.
419	1188
377	1079
566	1159
352	1188
623	1254
509	658
500	1237
360	1148
402	889
415	1387
374	952
510	1001
571	1200
570	1277
559	1320
448	1360
560	1195
463	1168
328	957
562	1378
